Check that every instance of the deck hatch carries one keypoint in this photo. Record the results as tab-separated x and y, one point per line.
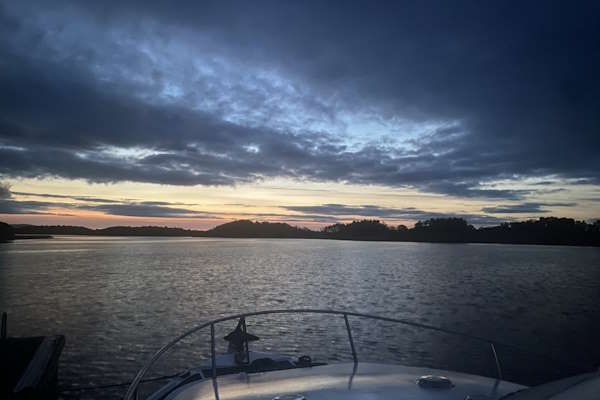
434	382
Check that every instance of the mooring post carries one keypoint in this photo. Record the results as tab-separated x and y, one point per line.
3	328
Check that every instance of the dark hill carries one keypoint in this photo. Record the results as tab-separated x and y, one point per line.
249	229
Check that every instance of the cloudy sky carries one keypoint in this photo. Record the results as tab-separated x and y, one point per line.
196	113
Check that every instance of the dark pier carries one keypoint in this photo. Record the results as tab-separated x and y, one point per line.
29	365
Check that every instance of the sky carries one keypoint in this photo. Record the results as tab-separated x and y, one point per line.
194	113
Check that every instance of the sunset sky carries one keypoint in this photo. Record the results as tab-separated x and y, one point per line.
308	112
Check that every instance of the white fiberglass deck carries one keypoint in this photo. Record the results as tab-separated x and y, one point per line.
340	381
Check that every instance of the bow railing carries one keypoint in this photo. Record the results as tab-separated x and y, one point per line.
132	390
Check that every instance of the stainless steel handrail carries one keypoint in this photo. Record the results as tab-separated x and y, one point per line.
131	391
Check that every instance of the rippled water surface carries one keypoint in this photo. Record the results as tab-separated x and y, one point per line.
119	299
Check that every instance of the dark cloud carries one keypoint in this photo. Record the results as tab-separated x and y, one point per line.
371	211
344	210
4	191
92	199
145	210
155	209
9	206
529	207
63	196
516	83
286	217
545	183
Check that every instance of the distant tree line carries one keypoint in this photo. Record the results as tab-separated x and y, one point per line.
550	230
112	231
6	232
455	230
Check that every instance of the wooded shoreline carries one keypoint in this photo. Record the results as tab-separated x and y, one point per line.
549	231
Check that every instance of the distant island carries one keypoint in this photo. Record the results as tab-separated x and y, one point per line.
547	231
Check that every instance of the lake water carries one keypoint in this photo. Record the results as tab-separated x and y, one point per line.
119	299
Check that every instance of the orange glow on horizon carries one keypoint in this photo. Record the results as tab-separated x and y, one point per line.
276	200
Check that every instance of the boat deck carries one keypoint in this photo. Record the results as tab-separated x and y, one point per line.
345	381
